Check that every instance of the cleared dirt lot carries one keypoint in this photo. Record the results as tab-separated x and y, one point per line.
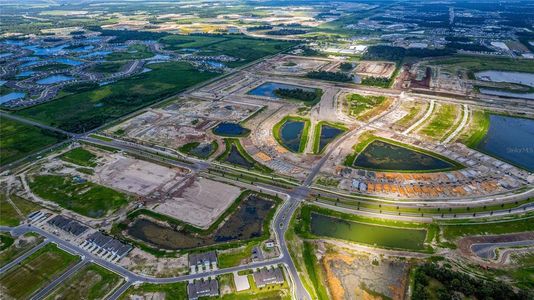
200	202
375	68
136	176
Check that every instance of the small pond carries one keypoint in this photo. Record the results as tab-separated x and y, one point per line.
235	157
291	134
54	79
328	134
244	224
46	51
25	74
203	150
510	139
380	155
230	129
267	89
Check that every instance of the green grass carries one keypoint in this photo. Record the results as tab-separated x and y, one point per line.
86	198
24	244
134	52
6	240
364	107
175	291
442	121
80	156
314	270
476	63
36	271
91	282
408	119
475	133
18	140
234	257
304	136
106	67
86	110
374	232
9	216
452	232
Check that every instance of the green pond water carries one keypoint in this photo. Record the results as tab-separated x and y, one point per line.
381	236
380	155
291	134
328	134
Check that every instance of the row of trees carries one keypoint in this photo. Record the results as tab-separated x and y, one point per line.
298	94
330	76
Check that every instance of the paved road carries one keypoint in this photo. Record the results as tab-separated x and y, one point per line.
52	285
17	260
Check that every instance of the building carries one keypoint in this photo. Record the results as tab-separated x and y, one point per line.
265	277
203	288
67	225
202	262
106	246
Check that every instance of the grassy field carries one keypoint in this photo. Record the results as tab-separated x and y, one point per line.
175	291
80	156
408	119
476	130
134	52
452	232
365	107
374	232
86	110
83	197
477	63
91	282
36	271
234	257
304	136
245	48
8	213
27	241
17	140
106	67
314	270
442	121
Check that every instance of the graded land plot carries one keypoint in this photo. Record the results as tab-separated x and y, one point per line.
9	214
181	122
35	272
91	282
87	110
77	194
175	291
136	176
297	65
442	122
383	69
246	220
318	222
199	202
363	107
357	275
18	140
13	247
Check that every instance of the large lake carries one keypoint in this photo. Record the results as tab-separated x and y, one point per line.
510	139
